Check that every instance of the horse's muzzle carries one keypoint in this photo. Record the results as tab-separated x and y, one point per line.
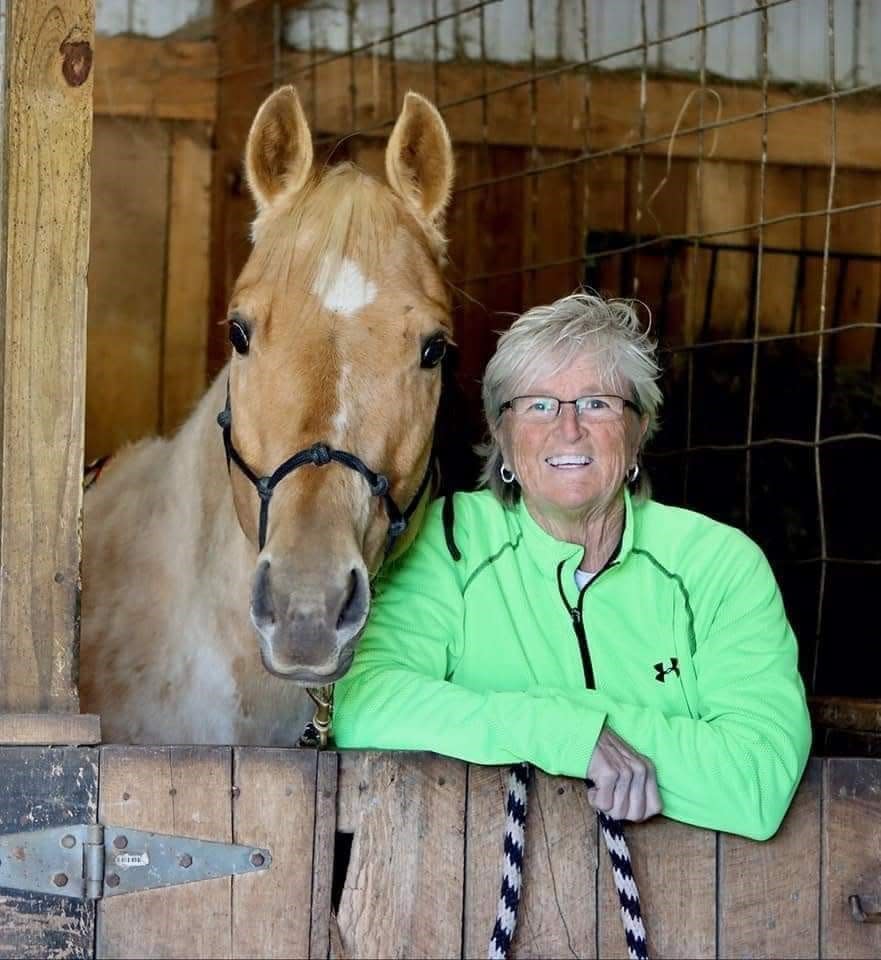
307	635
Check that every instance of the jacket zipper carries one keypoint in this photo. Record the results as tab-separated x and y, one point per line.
576	615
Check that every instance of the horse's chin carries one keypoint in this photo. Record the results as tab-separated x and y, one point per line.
302	677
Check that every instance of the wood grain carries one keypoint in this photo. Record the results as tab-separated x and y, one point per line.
127	281
245	46
851	857
46	787
675	870
558	910
769	892
187	274
323	855
274	807
177	790
159	79
46	142
68	729
403	891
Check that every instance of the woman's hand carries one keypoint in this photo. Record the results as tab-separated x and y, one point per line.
622	782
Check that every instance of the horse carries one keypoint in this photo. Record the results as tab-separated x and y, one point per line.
227	568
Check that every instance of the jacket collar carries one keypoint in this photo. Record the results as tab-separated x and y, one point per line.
547	552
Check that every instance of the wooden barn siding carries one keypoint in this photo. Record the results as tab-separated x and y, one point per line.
170	95
422	873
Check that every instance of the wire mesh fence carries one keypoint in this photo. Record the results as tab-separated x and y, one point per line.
715	159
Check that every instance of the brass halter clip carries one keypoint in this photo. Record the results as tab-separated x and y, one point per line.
322	719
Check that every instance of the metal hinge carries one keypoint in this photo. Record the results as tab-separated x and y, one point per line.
90	861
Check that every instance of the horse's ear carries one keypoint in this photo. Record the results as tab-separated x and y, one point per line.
278	156
419	158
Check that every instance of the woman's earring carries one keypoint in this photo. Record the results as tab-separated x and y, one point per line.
506	474
632	473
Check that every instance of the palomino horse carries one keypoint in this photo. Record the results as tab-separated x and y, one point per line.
220	582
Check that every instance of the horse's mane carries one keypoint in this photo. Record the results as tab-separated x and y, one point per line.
345	213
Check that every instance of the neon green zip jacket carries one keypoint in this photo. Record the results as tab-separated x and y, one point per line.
680	644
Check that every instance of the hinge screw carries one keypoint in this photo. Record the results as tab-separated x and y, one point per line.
257	859
185	860
68	842
112	880
60	879
120	842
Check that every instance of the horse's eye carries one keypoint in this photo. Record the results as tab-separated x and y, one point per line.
433	352
238	336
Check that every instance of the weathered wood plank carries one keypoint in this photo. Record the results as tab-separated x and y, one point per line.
851	858
846	713
796	136
769	893
187	275
128	257
274	807
159	79
403	891
126	273
46	788
177	790
323	853
675	870
245	46
557	916
47	141
59	729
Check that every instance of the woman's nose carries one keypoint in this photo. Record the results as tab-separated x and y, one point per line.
568	422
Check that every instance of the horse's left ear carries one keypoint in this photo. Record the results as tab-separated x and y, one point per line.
278	156
419	158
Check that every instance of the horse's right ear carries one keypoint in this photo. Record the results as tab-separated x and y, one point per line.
278	156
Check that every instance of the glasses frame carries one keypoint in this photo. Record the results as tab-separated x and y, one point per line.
509	404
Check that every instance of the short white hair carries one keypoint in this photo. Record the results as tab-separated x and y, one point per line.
546	340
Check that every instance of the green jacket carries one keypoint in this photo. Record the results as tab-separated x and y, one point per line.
685	652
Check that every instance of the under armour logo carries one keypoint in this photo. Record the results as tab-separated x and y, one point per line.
661	671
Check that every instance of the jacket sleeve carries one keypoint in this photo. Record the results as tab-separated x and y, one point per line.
737	766
397	694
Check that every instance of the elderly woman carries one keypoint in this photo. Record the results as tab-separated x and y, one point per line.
561	617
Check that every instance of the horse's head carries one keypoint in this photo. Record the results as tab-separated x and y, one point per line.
338	322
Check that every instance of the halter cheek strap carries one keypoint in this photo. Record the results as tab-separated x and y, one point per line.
319	454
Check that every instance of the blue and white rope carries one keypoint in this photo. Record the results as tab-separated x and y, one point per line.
512	873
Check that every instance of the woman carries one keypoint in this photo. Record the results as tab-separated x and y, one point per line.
562	617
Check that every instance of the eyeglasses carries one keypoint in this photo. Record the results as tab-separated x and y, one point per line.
591	409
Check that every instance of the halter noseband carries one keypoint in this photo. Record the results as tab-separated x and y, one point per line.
319	454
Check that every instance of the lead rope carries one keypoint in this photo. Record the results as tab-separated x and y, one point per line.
516	805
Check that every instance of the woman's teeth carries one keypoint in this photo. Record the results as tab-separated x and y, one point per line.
569	460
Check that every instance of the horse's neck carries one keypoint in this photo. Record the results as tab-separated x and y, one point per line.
200	479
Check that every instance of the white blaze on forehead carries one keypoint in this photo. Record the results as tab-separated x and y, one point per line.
342	286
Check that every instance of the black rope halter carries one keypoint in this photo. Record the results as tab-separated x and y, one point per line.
320	454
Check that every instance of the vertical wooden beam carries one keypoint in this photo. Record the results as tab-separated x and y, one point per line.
187	274
44	252
246	48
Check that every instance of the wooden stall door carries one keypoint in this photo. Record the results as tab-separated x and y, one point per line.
398	855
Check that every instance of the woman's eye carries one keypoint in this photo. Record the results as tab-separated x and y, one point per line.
238	336
594	403
540	406
433	352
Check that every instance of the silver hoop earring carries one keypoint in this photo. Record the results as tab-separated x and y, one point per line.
506	474
632	473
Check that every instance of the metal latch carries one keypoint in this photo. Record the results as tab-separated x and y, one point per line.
90	861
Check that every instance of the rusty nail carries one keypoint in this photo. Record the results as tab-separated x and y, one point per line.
112	879
120	842
60	879
68	841
257	859
185	860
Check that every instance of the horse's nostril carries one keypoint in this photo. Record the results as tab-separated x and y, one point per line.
353	604
261	596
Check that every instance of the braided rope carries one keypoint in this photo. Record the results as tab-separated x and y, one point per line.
512	873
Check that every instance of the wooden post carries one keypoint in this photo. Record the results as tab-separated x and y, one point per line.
246	35
45	142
